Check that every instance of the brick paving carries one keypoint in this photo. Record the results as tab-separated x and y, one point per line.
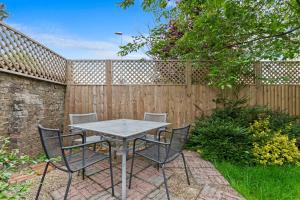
147	183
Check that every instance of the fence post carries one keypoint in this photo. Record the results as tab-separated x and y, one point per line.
109	79
188	73
257	73
188	78
259	93
69	81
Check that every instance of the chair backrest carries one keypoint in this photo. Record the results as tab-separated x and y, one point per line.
156	117
178	140
83	118
52	143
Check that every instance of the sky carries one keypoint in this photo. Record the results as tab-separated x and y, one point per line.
79	29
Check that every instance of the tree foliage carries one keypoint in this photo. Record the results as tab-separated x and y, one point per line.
3	13
231	33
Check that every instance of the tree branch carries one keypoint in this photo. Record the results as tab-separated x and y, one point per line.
266	37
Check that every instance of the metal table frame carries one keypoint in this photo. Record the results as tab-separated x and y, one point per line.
123	129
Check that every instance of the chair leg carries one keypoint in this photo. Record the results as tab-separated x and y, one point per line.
111	175
165	181
131	168
68	186
83	174
185	167
42	180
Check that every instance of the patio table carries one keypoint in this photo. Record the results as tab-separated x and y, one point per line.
122	129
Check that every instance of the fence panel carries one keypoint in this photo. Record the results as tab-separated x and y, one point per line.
284	98
128	88
131	101
280	72
24	56
148	72
88	72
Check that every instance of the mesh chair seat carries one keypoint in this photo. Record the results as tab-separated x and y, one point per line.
158	153
77	162
163	152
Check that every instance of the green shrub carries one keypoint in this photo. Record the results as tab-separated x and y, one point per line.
229	133
272	147
279	150
242	115
222	141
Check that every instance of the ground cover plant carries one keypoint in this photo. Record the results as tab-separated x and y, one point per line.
10	162
263	182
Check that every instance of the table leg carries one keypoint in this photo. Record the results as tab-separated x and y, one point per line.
83	154
124	155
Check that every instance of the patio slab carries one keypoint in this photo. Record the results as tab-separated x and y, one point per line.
147	183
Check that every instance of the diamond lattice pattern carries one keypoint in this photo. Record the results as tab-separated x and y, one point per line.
88	72
20	54
280	72
148	72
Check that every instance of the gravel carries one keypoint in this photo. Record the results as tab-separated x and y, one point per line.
53	181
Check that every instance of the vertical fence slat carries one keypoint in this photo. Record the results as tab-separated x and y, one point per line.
108	72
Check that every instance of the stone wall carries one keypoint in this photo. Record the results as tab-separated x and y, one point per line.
24	103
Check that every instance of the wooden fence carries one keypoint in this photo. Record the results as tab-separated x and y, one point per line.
182	103
21	55
128	88
285	98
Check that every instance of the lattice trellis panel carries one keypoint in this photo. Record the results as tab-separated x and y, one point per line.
148	72
199	72
22	55
280	72
249	76
88	72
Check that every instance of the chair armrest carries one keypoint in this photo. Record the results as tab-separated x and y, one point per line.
151	141
162	131
74	134
74	128
71	129
85	144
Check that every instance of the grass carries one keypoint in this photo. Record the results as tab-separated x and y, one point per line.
263	182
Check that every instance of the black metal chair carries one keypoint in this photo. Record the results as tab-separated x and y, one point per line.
62	158
84	118
155	117
155	134
164	152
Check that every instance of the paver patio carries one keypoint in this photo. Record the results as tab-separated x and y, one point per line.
147	183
